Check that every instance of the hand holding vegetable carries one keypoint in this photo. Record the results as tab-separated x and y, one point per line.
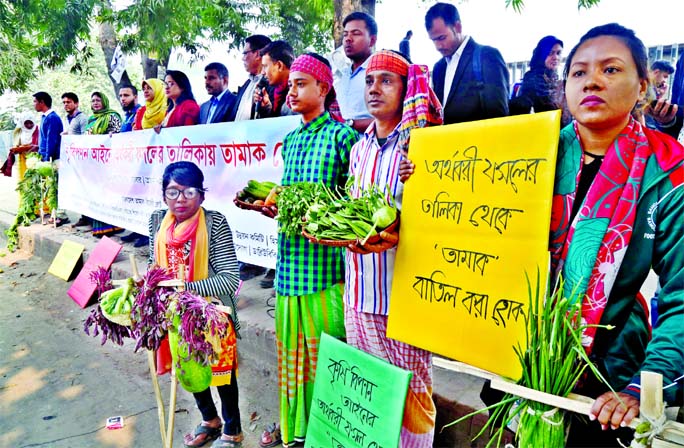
406	167
609	410
269	211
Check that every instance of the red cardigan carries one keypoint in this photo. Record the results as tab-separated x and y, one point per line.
185	114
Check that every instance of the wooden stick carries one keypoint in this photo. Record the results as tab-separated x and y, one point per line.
174	382
161	413
651	400
573	402
580	406
157	393
134	267
172	407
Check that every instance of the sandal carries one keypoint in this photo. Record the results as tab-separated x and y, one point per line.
58	221
271	436
210	433
231	442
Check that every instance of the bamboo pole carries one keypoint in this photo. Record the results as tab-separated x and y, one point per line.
161	414
172	407
174	380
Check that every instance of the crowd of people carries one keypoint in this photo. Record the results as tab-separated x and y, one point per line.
618	196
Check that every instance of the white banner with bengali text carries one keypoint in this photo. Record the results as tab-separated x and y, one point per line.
118	179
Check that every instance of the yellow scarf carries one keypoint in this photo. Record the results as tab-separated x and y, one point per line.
155	110
194	229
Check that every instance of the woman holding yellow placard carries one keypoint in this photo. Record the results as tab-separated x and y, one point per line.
617	207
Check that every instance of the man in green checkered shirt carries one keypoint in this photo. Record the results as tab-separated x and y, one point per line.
309	277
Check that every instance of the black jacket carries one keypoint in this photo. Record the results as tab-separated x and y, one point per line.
471	98
225	111
240	93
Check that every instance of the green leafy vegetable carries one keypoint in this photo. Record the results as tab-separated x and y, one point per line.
552	361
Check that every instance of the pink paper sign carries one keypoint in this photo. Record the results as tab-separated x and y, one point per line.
103	254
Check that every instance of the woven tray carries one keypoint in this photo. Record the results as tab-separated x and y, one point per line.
324	242
246	205
344	243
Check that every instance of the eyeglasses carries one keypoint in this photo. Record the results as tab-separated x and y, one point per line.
189	193
248	51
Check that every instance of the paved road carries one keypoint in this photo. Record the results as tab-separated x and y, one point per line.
58	385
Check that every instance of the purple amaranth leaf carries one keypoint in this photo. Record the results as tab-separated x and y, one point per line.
98	323
149	310
102	278
197	318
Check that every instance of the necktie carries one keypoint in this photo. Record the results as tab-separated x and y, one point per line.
212	108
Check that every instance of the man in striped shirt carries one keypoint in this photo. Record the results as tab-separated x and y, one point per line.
309	277
398	97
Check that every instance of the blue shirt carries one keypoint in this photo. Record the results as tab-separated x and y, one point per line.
50	136
349	89
129	119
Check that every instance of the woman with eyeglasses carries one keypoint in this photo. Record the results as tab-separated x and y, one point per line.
200	240
182	109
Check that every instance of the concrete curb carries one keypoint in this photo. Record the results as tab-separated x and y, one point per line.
257	345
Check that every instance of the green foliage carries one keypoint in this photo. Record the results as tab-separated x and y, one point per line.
47	31
93	77
305	25
519	5
186	23
38	186
6	121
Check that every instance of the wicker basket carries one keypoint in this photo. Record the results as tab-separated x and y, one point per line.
121	319
246	205
375	239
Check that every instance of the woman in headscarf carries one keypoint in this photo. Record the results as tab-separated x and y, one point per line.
24	136
200	240
154	110
182	109
541	87
399	98
103	120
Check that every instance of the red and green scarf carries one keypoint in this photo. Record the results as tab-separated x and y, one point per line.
590	249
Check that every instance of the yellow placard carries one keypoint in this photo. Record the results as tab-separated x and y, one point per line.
475	219
66	259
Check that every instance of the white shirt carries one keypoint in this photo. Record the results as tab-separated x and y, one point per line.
452	65
244	111
349	88
214	105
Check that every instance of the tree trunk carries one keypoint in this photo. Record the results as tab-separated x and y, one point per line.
153	66
344	8
108	42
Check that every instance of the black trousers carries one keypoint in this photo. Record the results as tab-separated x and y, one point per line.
229	406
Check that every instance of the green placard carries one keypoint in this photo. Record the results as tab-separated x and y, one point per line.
66	259
358	399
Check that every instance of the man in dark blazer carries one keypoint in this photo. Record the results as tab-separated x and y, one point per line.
471	80
221	107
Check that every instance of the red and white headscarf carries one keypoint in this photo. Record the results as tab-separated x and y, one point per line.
421	106
320	72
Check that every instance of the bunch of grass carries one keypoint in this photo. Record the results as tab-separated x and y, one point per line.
553	361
